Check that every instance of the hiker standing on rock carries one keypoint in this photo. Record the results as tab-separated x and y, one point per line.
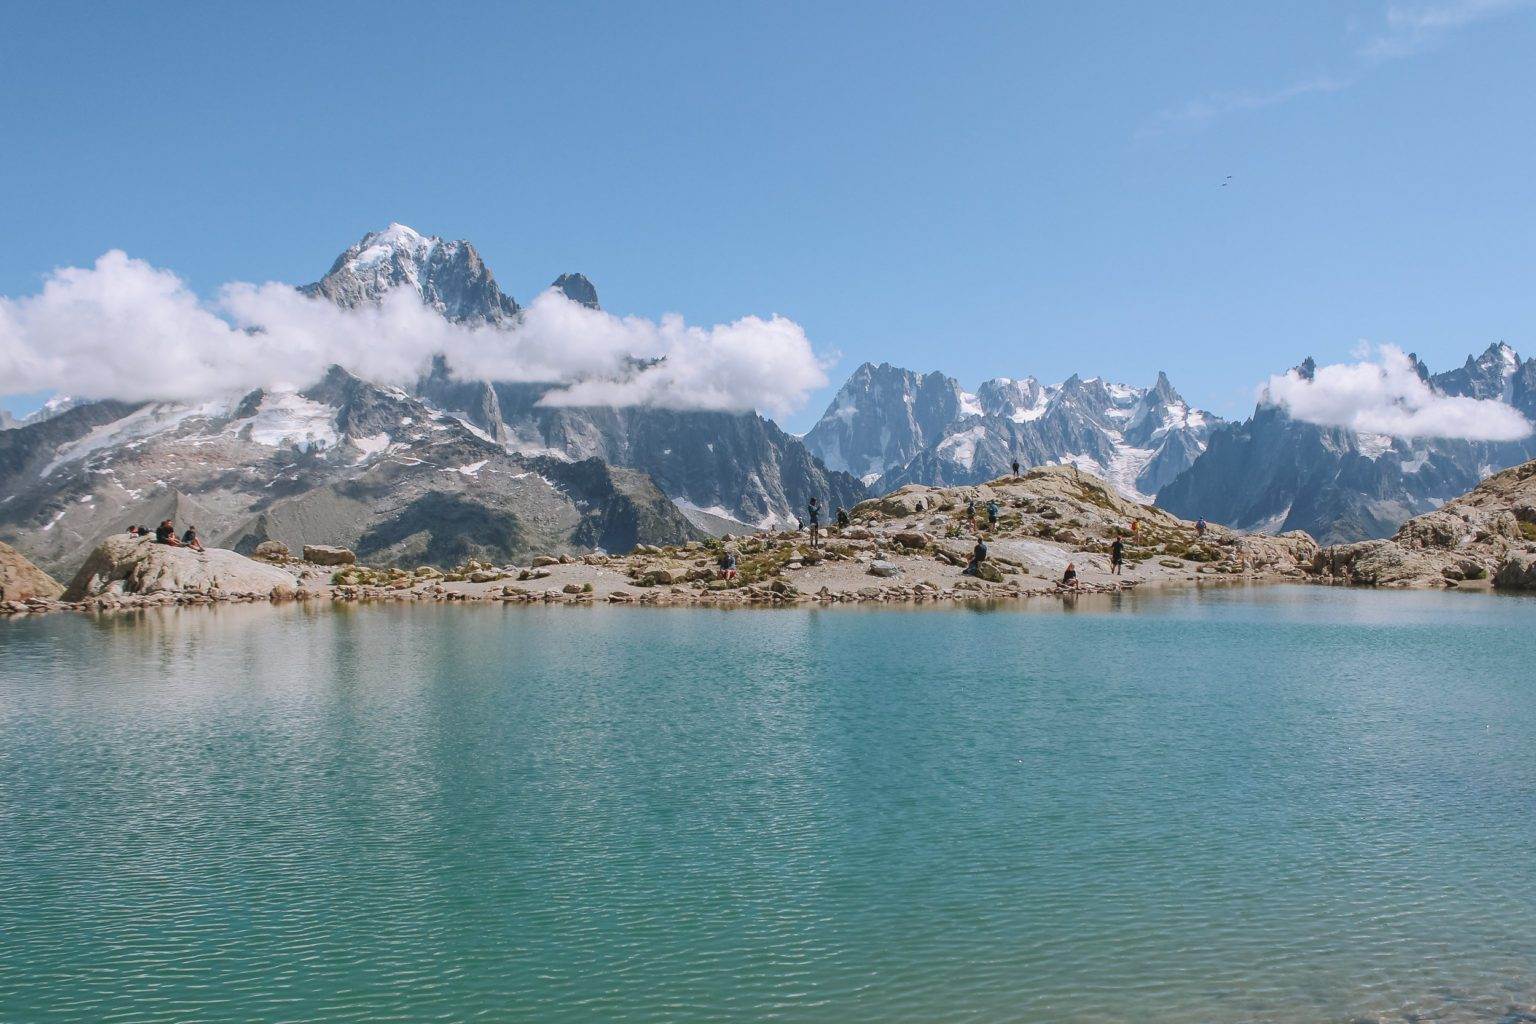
992	511
1015	467
1200	527
1116	556
814	509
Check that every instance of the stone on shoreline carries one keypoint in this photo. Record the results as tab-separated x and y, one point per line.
325	554
21	580
130	565
1517	573
272	550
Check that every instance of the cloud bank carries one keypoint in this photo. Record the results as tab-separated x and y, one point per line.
124	329
1385	395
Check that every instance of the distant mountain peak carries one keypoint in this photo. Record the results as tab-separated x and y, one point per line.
449	276
578	289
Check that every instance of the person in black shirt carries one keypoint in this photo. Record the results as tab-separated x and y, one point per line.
191	540
978	555
166	534
1117	556
814	509
1069	578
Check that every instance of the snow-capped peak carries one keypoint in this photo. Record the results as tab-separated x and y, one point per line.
449	276
378	246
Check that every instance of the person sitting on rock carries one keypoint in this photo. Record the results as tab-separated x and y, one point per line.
842	518
1069	578
191	540
978	555
133	531
728	564
166	534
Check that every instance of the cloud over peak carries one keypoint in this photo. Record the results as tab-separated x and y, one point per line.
124	329
1386	395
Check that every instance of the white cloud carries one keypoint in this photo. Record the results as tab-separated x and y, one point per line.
1385	395
1407	30
1200	111
1411	29
124	329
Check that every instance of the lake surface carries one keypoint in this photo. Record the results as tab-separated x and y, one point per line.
1279	804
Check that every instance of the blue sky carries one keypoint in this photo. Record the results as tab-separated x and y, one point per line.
985	189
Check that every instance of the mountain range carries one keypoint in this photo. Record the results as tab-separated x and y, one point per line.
1274	472
455	467
447	470
890	426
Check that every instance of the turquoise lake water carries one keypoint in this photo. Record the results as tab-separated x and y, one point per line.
1280	804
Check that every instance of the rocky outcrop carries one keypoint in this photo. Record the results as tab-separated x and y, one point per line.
325	554
124	564
1517	573
20	580
1486	534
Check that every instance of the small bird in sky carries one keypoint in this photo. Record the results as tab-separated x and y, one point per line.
1224	183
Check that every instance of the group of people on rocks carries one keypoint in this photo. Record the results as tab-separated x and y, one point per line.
165	534
813	514
979	553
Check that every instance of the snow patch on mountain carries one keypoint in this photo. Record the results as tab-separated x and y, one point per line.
285	419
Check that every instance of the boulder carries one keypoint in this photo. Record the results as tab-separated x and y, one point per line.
128	565
540	561
1382	563
1517	573
21	580
882	568
272	550
324	554
909	500
989	572
912	539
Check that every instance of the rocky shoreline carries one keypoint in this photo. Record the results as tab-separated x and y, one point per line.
909	546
